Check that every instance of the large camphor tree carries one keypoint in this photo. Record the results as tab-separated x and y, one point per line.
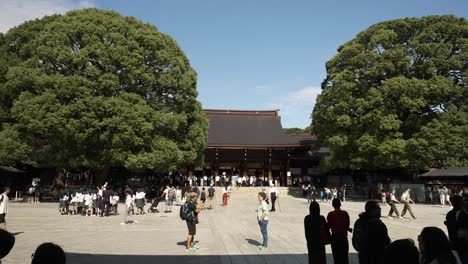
396	97
95	89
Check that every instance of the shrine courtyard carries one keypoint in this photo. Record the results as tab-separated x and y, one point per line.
225	234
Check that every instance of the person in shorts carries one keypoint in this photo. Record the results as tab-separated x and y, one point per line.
168	201
203	196
4	207
192	221
211	195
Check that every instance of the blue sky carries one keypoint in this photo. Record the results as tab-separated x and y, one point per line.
252	54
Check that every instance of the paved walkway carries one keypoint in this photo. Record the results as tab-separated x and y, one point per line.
225	234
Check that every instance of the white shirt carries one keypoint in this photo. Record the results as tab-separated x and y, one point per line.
166	192
4	204
140	195
88	199
273	189
405	197
217	178
128	201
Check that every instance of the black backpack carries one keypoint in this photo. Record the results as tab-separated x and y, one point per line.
203	195
360	233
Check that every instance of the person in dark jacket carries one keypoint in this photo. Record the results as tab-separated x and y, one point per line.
451	221
373	235
312	225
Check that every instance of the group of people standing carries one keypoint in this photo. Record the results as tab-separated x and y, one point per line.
371	240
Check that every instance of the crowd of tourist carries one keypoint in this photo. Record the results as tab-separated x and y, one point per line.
371	240
370	236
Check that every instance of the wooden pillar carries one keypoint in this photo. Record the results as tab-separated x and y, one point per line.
244	164
270	165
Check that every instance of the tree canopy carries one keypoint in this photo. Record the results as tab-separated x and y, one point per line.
396	96
96	89
297	130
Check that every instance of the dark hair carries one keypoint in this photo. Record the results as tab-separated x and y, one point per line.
263	195
6	188
436	246
8	241
457	201
336	203
49	253
371	205
203	188
314	209
401	251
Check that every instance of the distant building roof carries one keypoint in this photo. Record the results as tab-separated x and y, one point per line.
250	128
447	172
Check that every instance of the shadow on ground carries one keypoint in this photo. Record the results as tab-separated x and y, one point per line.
195	258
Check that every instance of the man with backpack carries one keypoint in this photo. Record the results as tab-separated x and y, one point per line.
370	235
406	200
170	195
189	212
211	195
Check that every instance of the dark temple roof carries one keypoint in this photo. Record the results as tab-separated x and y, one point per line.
447	172
236	128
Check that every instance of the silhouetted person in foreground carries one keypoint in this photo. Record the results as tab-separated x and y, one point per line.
451	221
403	251
312	225
7	241
370	235
435	247
48	253
338	221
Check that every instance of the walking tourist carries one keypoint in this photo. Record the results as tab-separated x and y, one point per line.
192	220
262	218
48	253
435	247
406	200
129	204
203	197
383	196
211	196
225	196
338	221
392	201
273	194
217	180
314	223
179	195
140	201
4	207
7	243
370	235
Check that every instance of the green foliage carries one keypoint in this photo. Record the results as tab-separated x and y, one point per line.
96	89
396	97
297	131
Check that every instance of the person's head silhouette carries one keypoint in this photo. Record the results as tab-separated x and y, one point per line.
314	209
7	243
48	253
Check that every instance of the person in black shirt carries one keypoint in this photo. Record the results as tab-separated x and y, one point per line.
451	221
371	235
192	221
312	225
